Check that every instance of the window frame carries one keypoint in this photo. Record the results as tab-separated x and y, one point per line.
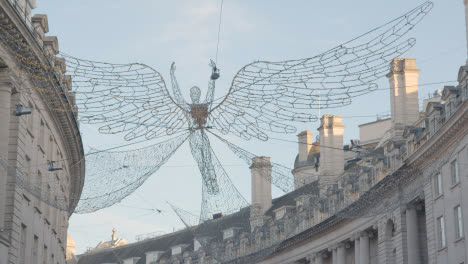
458	219
454	172
442	239
23	244
35	250
438	185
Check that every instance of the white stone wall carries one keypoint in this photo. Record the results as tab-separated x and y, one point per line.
443	205
27	143
373	132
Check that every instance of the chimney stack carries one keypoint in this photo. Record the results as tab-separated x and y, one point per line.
331	148
261	185
403	78
304	140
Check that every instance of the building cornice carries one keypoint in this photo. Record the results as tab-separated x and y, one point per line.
451	131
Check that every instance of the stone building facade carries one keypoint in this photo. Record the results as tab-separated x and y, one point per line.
32	228
396	195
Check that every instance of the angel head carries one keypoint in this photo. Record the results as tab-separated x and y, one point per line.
195	94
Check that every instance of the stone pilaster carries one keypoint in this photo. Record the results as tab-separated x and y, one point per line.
334	255
412	235
357	251
341	254
364	249
5	114
318	258
384	240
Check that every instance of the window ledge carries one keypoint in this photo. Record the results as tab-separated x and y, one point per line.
439	196
455	185
30	133
40	149
459	239
442	249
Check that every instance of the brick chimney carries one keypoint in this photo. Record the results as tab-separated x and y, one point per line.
261	185
403	78
331	148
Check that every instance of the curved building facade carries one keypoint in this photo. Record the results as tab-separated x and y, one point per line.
33	227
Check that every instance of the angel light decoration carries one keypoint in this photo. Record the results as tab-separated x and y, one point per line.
264	97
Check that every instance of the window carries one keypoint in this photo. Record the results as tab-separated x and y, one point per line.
27	172
22	252
35	249
438	185
433	124
31	120
41	134
458	221
454	172
44	255
176	250
441	231
228	233
50	150
38	183
49	200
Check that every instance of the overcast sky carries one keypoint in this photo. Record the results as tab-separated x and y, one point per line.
158	32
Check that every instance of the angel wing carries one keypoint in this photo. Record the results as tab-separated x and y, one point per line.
126	98
122	172
270	96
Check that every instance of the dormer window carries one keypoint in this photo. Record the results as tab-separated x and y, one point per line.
131	260
153	256
228	233
302	200
175	250
196	245
281	212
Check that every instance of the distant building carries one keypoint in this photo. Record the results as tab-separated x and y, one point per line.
398	195
32	229
114	242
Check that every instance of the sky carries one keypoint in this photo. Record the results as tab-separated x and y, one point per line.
157	33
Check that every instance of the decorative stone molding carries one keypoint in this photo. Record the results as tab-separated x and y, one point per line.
40	23
366	233
260	163
60	65
401	65
51	44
